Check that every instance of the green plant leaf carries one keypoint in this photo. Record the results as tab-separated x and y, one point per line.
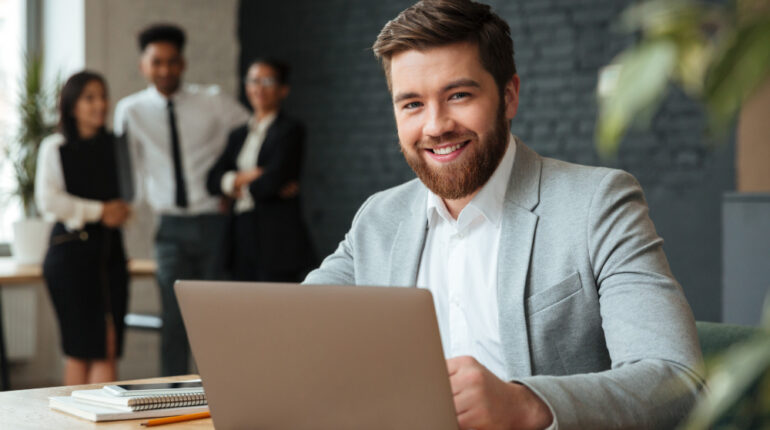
722	57
736	370
742	64
695	56
656	17
35	105
644	73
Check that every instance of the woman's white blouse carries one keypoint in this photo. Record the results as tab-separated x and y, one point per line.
51	197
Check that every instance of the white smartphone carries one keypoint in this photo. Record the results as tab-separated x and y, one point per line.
157	388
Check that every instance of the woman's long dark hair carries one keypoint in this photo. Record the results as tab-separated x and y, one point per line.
70	93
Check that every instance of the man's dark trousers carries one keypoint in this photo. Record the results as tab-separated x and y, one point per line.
186	247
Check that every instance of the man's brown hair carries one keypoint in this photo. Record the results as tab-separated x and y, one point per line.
433	23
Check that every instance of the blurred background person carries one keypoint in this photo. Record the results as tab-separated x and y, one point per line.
176	132
260	170
85	266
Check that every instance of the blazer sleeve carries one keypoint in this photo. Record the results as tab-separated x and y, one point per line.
339	267
284	166
648	326
225	163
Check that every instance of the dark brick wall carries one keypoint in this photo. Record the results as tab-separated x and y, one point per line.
338	89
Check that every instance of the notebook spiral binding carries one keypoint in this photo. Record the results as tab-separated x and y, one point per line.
167	401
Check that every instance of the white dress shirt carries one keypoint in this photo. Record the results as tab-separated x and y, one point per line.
51	195
459	267
204	117
247	160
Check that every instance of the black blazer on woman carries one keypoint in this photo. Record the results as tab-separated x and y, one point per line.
281	242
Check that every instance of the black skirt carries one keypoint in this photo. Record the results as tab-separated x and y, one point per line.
86	275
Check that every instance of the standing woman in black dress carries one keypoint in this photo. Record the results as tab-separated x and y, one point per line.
85	267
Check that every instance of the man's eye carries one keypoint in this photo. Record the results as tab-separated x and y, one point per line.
412	105
457	96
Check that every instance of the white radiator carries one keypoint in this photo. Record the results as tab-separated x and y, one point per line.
20	321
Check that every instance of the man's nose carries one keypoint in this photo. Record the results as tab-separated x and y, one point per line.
438	122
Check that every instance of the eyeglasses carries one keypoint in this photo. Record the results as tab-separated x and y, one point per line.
267	82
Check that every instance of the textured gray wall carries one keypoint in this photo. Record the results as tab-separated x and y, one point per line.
340	92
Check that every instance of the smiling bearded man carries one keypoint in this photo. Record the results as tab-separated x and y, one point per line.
554	300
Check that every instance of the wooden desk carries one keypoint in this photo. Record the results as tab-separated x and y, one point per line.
13	273
28	409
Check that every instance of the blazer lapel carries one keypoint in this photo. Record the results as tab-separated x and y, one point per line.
408	243
518	231
240	140
269	141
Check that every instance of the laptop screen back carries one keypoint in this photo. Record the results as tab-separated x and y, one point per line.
286	356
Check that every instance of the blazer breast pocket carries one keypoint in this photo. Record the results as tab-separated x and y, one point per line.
563	290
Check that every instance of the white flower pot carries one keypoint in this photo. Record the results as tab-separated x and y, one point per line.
30	240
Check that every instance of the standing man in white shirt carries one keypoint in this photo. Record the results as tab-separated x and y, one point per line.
176	132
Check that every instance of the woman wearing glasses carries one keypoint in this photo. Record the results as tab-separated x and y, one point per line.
260	170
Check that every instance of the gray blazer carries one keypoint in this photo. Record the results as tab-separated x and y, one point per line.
591	318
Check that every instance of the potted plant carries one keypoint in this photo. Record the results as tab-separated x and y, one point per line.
36	109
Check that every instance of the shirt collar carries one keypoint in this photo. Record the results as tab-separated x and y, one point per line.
489	200
265	122
158	96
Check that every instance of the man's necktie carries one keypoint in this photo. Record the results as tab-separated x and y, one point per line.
181	188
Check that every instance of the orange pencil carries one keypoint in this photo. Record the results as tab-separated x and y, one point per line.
177	419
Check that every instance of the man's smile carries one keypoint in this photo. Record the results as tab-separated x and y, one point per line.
447	152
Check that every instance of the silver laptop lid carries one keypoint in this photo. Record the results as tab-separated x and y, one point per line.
286	356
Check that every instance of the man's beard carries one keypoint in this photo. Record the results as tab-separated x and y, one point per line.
457	180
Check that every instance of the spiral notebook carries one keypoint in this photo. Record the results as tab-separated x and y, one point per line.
141	403
100	412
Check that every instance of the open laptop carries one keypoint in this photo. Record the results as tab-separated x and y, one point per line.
286	356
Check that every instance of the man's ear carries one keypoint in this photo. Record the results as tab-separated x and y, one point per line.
285	89
511	95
